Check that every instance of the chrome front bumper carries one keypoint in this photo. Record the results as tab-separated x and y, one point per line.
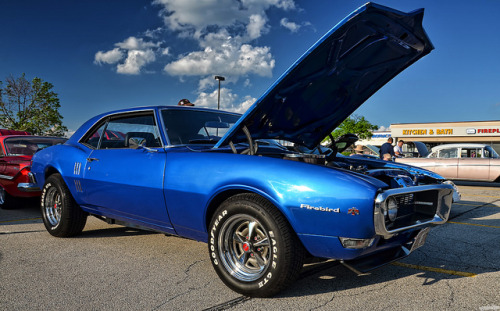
423	206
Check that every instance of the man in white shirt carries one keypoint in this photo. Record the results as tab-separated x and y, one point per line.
398	151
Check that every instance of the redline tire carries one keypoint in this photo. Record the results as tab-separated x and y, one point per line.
61	215
252	247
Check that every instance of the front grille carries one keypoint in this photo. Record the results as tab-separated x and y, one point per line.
417	206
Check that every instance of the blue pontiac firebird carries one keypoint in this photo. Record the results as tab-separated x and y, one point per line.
222	178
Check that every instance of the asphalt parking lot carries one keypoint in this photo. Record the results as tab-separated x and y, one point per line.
116	268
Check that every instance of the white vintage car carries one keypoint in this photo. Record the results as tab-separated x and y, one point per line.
461	162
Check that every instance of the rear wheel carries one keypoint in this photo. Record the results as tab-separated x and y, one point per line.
253	248
62	217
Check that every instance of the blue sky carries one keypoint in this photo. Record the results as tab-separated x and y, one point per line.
113	54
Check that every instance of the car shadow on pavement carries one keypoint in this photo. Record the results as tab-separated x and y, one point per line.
115	231
458	249
339	278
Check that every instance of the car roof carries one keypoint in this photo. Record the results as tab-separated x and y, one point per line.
471	145
92	121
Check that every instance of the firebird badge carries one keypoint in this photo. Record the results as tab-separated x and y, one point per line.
353	211
320	208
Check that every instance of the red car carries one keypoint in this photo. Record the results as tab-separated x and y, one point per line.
16	150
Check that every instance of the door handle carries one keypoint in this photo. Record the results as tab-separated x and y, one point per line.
92	159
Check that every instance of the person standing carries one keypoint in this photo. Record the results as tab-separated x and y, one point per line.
387	148
398	149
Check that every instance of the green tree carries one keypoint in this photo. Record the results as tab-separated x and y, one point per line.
30	106
356	125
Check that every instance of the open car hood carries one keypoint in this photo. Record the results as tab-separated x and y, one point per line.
422	149
335	76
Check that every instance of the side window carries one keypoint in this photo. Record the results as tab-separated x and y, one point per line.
433	155
471	153
453	153
93	140
448	153
130	132
126	132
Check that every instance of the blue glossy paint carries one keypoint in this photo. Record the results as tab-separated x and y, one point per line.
127	183
287	184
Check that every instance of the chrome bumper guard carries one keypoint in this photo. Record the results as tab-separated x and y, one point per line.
418	207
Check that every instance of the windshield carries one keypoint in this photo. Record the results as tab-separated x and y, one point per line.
17	146
196	127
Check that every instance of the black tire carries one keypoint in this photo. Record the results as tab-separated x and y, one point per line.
259	264
61	215
6	200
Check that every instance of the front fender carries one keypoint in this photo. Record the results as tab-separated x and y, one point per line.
315	199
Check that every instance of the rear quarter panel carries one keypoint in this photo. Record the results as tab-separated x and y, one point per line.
64	160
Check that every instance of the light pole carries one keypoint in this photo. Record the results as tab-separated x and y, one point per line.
219	78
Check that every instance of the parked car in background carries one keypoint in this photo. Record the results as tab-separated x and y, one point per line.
16	151
461	162
219	177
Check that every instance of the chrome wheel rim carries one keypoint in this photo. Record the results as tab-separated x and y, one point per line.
244	247
52	206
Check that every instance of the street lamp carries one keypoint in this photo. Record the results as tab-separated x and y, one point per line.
219	78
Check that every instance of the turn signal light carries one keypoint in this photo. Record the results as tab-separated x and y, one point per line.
356	243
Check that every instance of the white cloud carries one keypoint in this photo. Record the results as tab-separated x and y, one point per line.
243	107
293	27
257	26
133	43
109	57
135	60
228	101
138	54
205	83
228	59
225	31
194	16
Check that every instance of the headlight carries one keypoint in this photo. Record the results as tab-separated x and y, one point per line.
391	209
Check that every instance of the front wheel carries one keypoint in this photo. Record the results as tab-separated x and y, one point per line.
253	248
62	217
